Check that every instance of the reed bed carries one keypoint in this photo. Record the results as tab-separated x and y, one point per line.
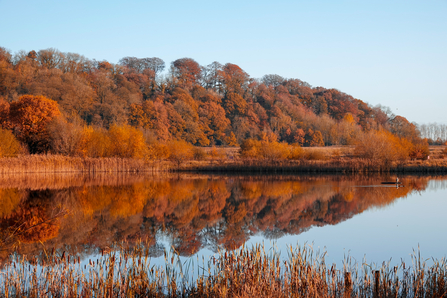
247	272
316	161
331	166
65	164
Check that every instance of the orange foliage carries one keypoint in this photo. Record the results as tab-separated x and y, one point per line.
127	141
212	105
180	151
231	140
250	148
9	145
270	150
382	148
94	143
158	151
29	116
119	141
420	150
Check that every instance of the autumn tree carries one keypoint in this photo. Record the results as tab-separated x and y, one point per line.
157	151
4	113
127	142
401	127
274	151
212	119
187	71
64	137
419	150
293	136
233	79
313	138
234	104
180	151
202	105
29	117
381	148
143	73
50	58
8	77
231	140
94	142
9	145
251	148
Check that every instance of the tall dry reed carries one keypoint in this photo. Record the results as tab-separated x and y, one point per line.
65	164
245	272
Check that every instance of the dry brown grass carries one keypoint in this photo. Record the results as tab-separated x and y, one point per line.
332	159
64	164
438	152
243	273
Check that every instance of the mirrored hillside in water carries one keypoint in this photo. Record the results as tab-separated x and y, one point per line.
87	214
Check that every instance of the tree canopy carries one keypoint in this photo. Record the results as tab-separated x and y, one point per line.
216	104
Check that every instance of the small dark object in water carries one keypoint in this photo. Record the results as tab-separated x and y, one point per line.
393	183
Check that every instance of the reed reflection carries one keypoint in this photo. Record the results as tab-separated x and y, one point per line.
195	213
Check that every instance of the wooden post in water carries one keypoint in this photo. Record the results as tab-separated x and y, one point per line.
348	285
376	283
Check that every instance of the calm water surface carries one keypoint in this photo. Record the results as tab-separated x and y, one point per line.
199	215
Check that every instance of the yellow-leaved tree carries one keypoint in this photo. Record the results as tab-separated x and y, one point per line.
94	143
127	141
381	148
9	145
180	151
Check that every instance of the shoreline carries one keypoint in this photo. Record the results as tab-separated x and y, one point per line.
57	164
352	166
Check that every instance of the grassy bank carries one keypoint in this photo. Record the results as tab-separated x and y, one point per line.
244	273
345	165
330	160
325	160
65	164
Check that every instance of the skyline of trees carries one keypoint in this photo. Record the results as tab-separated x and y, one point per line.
216	104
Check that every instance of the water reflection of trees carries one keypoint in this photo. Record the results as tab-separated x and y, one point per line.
193	213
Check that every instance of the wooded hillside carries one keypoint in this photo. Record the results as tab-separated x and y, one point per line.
217	104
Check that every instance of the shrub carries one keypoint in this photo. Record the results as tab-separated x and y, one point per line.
158	151
94	143
250	148
199	153
274	150
382	147
296	152
9	145
315	155
180	151
216	153
126	141
420	150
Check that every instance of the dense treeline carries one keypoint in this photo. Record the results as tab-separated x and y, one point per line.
65	103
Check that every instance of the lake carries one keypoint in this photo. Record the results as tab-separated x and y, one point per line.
198	215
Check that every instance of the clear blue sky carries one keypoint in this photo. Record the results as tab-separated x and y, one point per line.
392	53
